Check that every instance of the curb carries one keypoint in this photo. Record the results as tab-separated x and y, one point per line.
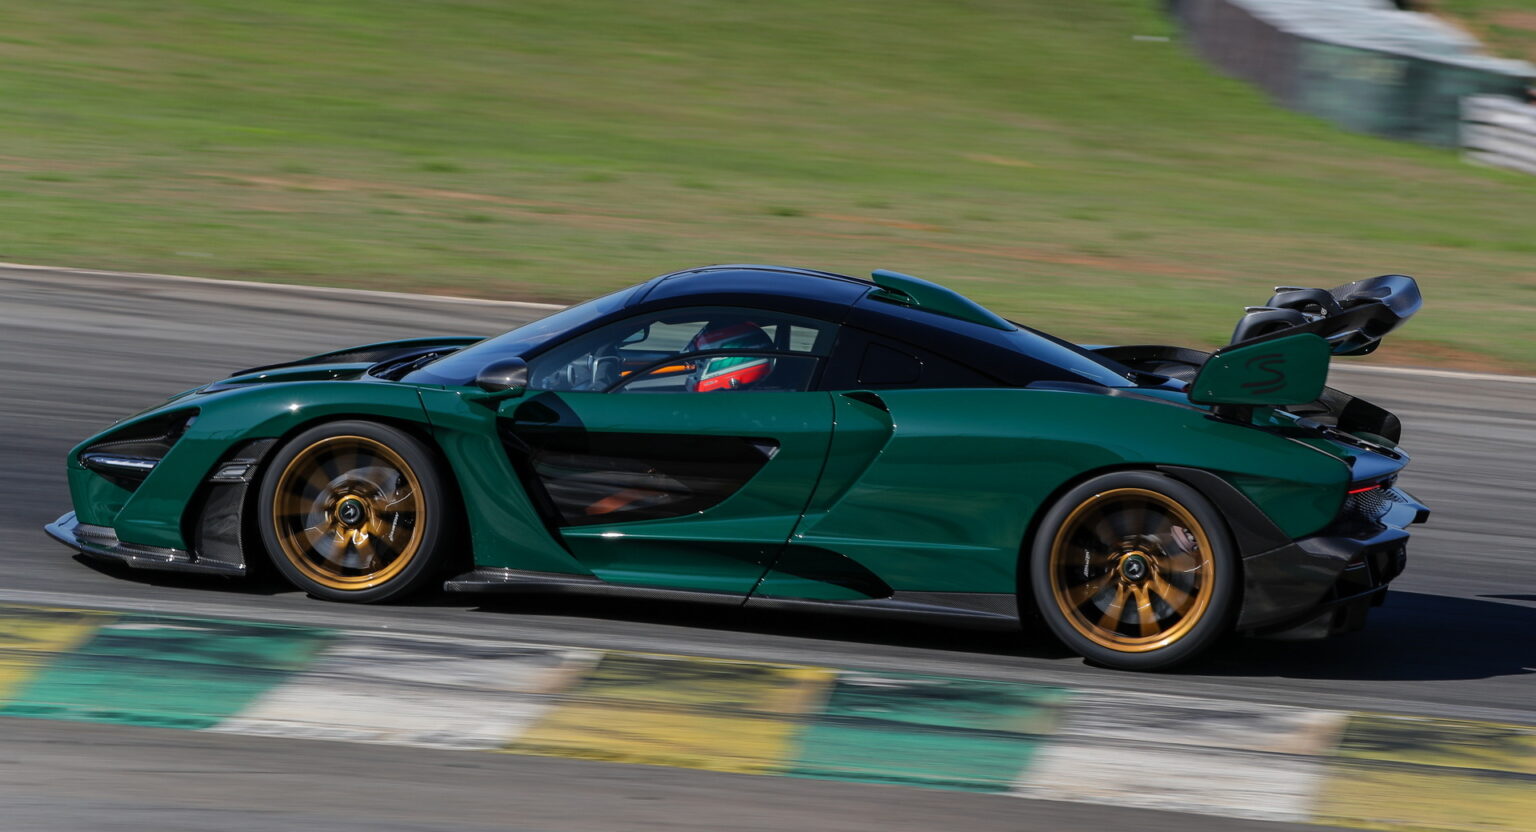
1204	756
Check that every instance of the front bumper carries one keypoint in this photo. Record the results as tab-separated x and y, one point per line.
101	542
1325	583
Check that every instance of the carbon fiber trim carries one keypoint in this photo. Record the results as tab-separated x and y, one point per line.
964	608
101	542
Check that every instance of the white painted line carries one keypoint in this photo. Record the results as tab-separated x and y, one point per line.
1461	375
291	287
1229	759
418	691
523	304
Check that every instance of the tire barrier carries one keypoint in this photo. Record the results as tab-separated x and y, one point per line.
1499	131
1364	65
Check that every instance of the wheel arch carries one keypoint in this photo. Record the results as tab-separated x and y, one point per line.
253	549
1246	527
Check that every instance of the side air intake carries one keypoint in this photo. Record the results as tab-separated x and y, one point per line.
127	455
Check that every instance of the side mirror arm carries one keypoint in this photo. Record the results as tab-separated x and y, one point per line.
490	398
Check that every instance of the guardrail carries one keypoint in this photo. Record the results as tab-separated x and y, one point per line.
1360	64
1499	131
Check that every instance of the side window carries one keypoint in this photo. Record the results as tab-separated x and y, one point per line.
761	373
864	360
691	350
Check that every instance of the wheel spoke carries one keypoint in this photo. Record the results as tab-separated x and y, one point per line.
331	546
1174	597
1086	557
1144	612
1105	530
1135	518
384	480
1119	522
359	458
367	555
1111	618
1086	536
1162	529
1090	589
330	465
314	483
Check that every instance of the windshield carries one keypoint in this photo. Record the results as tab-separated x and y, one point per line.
460	368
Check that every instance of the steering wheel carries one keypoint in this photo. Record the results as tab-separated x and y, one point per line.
604	368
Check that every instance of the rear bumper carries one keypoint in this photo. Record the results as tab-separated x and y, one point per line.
101	542
1333	576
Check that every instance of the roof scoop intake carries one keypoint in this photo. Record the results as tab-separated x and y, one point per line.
907	290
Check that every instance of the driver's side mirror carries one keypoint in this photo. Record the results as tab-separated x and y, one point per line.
505	378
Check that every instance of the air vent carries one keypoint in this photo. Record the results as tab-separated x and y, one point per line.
127	456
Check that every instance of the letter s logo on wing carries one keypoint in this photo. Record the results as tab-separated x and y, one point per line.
1272	363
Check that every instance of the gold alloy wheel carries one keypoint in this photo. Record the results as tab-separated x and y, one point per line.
1132	570
349	513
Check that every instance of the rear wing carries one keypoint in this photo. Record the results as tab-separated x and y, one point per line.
1352	318
1280	352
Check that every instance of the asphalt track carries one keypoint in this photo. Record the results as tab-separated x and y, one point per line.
77	350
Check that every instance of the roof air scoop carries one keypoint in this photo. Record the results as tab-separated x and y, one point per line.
1352	318
907	290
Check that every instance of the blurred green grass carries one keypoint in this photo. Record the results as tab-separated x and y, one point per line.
1506	26
1031	153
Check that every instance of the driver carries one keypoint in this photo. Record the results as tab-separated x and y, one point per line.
729	372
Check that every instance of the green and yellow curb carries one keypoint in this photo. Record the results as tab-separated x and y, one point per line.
1233	759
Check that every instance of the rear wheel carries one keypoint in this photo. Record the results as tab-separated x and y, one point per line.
1134	570
354	511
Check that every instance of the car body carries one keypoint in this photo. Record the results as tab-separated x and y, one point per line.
782	437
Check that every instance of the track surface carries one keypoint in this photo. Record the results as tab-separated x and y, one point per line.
63	777
1457	637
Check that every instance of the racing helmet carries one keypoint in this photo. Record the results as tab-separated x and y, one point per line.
729	372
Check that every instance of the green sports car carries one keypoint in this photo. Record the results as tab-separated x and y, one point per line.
781	437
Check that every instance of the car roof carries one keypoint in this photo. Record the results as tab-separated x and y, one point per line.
1013	357
805	291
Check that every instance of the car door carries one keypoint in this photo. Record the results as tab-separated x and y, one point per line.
678	449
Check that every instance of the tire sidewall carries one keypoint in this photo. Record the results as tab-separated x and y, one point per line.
1218	616
423	462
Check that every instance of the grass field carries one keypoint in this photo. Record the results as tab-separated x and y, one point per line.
1506	26
1032	153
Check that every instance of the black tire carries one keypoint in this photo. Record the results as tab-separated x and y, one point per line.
1134	538
354	511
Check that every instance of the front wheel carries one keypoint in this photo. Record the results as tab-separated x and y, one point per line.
1134	570
354	511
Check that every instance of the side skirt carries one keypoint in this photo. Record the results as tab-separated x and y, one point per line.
983	610
967	609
